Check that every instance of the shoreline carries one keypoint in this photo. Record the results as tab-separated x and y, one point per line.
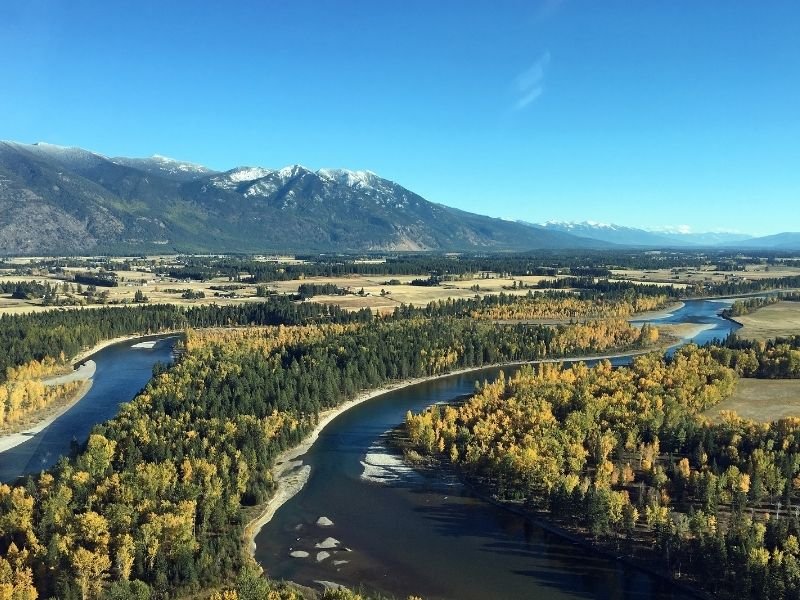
89	352
83	370
290	474
661	313
12	440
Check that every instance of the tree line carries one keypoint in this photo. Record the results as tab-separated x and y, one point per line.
25	338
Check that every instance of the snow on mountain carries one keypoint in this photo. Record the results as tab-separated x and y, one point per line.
70	156
247	174
580	225
350	178
322	186
678	236
232	179
144	203
611	233
262	188
172	165
170	168
671	229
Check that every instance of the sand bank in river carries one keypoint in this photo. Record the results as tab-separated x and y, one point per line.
15	439
85	372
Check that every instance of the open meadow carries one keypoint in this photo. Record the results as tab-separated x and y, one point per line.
685	276
762	400
776	320
378	293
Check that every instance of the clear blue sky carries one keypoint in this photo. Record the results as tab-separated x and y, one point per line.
645	113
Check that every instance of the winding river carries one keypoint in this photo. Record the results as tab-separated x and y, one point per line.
122	370
399	532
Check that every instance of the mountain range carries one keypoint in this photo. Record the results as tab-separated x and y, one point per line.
63	200
55	199
631	236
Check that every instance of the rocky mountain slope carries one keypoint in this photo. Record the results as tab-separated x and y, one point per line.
69	200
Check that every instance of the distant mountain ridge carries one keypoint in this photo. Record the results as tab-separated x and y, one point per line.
61	200
614	234
632	236
64	200
779	241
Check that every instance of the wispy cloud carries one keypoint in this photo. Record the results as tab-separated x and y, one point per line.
530	83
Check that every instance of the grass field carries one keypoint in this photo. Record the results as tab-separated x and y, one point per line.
775	320
165	290
395	295
158	291
688	276
377	295
762	400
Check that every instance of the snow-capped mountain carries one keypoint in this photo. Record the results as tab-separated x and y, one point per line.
66	156
708	238
166	167
325	185
68	200
607	232
665	237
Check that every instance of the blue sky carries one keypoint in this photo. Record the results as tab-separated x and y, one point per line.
639	113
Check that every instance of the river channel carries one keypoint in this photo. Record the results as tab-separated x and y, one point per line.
401	533
123	369
398	532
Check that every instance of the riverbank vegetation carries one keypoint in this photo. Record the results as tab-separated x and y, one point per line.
626	457
22	400
568	306
152	503
50	335
53	335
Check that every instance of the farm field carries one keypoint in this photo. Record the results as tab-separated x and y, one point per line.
170	291
762	400
380	296
157	291
708	274
777	320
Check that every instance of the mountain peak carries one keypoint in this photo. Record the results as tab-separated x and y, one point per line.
242	174
349	178
90	203
292	171
580	225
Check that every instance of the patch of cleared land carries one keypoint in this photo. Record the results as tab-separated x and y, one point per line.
677	331
380	296
762	400
157	290
690	275
776	320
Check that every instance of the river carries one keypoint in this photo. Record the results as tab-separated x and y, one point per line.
122	370
401	533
